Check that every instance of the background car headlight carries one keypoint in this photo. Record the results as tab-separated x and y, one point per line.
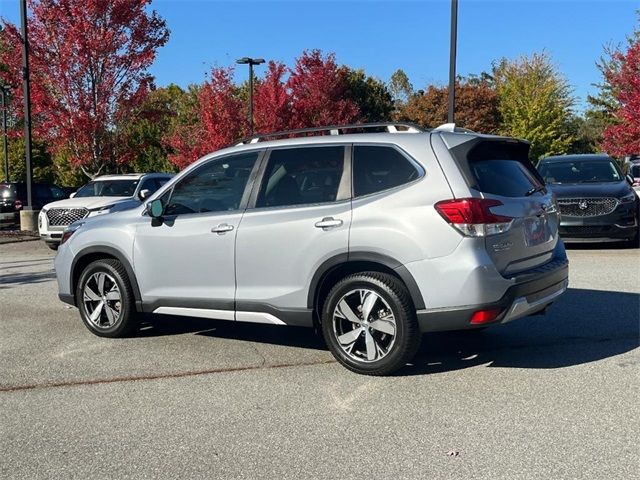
628	198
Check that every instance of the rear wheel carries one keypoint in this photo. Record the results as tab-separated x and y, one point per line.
105	299
369	323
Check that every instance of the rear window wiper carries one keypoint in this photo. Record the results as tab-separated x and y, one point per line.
534	190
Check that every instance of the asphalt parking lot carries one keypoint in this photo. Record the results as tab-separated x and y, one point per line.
552	396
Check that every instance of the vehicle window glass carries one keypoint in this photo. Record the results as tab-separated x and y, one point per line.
7	191
216	186
301	176
580	172
108	188
635	171
42	193
149	184
507	178
377	168
58	193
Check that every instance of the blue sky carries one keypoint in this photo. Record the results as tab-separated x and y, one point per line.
381	36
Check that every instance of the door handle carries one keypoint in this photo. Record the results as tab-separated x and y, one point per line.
328	222
222	228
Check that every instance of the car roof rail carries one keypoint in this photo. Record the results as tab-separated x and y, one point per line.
387	127
451	127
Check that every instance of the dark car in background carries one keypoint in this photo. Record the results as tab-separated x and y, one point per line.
13	197
596	201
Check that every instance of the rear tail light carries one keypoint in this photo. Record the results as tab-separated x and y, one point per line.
485	316
472	216
17	204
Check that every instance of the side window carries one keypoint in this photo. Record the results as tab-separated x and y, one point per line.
152	184
42	193
57	193
216	186
302	176
377	168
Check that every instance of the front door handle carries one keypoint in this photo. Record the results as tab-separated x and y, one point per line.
328	222
222	229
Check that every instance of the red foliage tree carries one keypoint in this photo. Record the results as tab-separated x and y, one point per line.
272	102
319	92
623	138
219	120
89	61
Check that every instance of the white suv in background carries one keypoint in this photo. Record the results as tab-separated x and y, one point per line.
104	194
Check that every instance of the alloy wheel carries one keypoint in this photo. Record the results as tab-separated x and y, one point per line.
102	300
364	325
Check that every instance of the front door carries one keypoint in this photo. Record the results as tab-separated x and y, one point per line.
185	264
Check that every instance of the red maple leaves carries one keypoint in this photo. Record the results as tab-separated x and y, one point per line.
623	138
315	93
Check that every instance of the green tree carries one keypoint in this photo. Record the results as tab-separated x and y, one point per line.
43	170
400	86
157	117
370	94
535	103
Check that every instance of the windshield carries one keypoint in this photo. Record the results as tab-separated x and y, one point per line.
580	172
108	188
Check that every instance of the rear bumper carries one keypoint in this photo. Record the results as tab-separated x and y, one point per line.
621	224
532	292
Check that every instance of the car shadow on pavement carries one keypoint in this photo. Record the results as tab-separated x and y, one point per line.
582	326
10	280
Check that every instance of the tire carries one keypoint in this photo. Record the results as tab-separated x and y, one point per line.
119	318
374	351
635	241
53	246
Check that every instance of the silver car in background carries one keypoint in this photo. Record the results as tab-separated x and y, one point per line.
372	233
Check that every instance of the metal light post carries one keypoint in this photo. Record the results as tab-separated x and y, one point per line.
251	62
452	61
4	90
27	101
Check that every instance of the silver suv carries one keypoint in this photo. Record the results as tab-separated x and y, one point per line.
373	237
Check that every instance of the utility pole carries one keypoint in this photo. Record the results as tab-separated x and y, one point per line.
251	62
26	89
452	61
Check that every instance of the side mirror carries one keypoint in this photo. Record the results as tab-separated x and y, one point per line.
73	195
144	193
155	208
630	179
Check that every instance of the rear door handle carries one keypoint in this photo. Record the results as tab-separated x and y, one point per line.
328	222
222	228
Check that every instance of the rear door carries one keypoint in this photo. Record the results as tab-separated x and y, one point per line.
299	218
501	170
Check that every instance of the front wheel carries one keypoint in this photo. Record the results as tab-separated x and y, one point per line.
369	323
105	299
53	246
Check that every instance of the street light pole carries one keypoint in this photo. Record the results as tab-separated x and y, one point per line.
251	62
452	61
5	143
27	101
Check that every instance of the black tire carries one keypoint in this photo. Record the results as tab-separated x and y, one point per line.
635	241
126	320
407	333
53	246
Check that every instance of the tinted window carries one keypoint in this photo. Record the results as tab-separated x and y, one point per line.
580	172
58	193
216	186
508	178
635	171
108	188
42	193
298	176
379	168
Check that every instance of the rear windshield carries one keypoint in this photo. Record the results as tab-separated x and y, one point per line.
580	172
498	167
108	188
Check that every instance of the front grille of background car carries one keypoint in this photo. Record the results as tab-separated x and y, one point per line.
587	230
59	217
587	207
